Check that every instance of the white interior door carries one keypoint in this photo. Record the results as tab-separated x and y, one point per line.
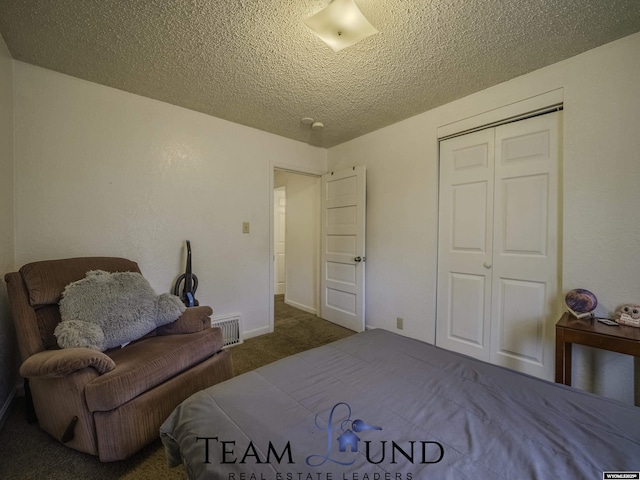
463	310
342	297
525	247
498	267
279	234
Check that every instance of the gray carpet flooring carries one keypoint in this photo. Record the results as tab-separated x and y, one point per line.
26	452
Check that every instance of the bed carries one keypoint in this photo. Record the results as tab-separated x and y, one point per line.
380	406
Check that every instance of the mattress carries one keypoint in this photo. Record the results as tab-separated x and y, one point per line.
380	406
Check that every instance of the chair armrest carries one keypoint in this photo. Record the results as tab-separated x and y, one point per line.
194	319
60	363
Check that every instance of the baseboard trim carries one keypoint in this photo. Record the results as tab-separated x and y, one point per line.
256	332
6	408
302	307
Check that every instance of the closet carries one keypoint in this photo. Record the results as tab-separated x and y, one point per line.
498	244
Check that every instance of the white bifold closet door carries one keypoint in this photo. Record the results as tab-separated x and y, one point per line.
498	250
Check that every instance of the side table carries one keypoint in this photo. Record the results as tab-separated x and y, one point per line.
590	332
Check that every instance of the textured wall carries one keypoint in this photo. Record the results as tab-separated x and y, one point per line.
103	172
7	334
601	206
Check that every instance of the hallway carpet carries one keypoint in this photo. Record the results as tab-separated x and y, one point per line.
295	331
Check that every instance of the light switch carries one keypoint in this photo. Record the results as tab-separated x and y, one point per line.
245	227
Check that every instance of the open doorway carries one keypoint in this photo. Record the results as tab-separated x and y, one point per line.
279	239
296	242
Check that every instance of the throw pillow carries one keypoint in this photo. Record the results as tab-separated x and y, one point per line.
106	310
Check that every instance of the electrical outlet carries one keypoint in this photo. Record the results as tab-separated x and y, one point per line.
400	323
245	227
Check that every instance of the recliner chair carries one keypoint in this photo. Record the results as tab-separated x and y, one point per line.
112	403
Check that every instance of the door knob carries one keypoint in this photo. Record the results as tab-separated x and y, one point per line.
357	259
487	264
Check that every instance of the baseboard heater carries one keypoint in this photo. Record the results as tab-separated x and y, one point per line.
231	331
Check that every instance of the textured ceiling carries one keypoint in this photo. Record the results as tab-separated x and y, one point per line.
255	63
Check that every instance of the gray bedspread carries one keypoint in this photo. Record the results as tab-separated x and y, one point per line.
399	409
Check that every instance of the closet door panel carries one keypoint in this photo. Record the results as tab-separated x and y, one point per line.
525	215
465	240
525	245
520	324
469	217
466	309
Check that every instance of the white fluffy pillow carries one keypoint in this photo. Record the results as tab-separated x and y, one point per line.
106	310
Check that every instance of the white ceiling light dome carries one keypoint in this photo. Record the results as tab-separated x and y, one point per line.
340	24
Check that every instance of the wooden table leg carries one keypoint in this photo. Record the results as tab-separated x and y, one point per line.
567	363
636	381
563	358
559	355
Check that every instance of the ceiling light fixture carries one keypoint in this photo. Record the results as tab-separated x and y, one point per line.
340	24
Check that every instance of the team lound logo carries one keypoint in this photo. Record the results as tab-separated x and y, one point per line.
347	440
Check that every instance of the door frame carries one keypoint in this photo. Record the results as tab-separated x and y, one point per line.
273	166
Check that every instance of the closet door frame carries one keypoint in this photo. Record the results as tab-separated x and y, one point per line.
517	269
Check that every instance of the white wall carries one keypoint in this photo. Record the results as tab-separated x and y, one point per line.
302	245
7	333
601	204
103	172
